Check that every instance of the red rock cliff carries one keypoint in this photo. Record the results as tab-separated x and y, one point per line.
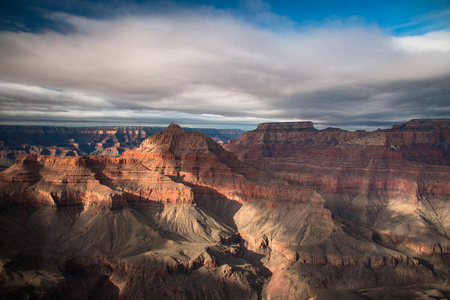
369	179
194	158
99	183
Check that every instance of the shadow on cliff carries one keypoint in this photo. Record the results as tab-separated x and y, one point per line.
98	169
257	276
211	200
218	204
134	200
36	266
89	278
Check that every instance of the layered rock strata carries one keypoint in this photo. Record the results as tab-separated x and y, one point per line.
73	141
283	212
389	187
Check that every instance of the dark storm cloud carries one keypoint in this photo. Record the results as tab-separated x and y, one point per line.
211	67
385	103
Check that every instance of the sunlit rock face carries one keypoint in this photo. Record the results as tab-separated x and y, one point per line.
389	186
284	212
15	141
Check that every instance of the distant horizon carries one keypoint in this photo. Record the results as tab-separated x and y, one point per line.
193	126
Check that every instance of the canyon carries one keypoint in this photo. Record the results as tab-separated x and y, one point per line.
16	141
285	211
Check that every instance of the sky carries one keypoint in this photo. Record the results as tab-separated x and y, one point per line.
351	64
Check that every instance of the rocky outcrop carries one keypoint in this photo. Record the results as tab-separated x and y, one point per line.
404	161
73	141
276	139
13	136
196	160
97	183
378	180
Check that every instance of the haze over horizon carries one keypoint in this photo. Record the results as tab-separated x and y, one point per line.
224	64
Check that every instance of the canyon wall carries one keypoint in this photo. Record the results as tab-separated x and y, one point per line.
389	186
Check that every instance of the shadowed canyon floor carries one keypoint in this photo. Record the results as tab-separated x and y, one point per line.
283	212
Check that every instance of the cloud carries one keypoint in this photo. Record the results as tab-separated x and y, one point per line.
212	65
21	94
437	41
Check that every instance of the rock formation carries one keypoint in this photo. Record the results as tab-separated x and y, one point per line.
73	141
389	186
284	212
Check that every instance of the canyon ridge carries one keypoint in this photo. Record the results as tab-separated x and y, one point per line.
285	211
